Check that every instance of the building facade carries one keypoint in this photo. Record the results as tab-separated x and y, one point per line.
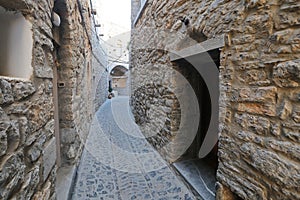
249	50
51	70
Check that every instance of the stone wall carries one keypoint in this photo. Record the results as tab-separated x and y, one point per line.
64	59
99	71
101	90
80	71
259	86
27	144
135	6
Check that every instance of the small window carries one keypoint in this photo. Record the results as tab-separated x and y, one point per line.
15	45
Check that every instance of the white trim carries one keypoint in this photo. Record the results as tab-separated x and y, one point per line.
140	12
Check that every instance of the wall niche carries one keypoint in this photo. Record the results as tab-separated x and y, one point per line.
16	44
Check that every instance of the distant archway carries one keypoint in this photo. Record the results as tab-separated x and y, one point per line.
119	77
118	70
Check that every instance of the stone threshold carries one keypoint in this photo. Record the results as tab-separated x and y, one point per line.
199	175
64	182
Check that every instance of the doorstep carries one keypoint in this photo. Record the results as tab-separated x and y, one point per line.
199	175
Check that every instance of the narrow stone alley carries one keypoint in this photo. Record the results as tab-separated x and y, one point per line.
118	162
213	86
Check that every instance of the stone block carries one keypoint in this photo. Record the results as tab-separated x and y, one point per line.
71	152
287	19
44	194
255	77
287	176
13	136
49	128
6	94
11	174
68	136
296	116
42	39
287	74
3	115
49	158
294	95
255	3
40	112
259	21
13	183
283	36
4	125
30	184
276	129
34	153
43	71
256	100
285	109
289	149
260	125
224	193
268	109
23	129
260	94
18	108
32	137
3	143
291	133
243	39
296	48
22	90
245	136
292	5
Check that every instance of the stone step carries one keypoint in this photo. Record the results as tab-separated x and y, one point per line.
65	178
199	175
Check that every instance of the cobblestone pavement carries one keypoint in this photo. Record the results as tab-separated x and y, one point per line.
118	163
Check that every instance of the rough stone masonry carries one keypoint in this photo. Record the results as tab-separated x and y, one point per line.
81	73
259	126
59	97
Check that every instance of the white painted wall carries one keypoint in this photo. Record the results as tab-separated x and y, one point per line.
16	43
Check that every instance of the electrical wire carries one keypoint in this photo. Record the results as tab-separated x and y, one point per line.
90	41
87	33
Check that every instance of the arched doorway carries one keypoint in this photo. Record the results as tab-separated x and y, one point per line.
119	80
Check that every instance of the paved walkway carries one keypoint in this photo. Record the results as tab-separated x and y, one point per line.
119	164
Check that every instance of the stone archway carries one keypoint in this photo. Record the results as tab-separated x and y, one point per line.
119	77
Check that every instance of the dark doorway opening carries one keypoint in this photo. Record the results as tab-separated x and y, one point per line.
200	174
